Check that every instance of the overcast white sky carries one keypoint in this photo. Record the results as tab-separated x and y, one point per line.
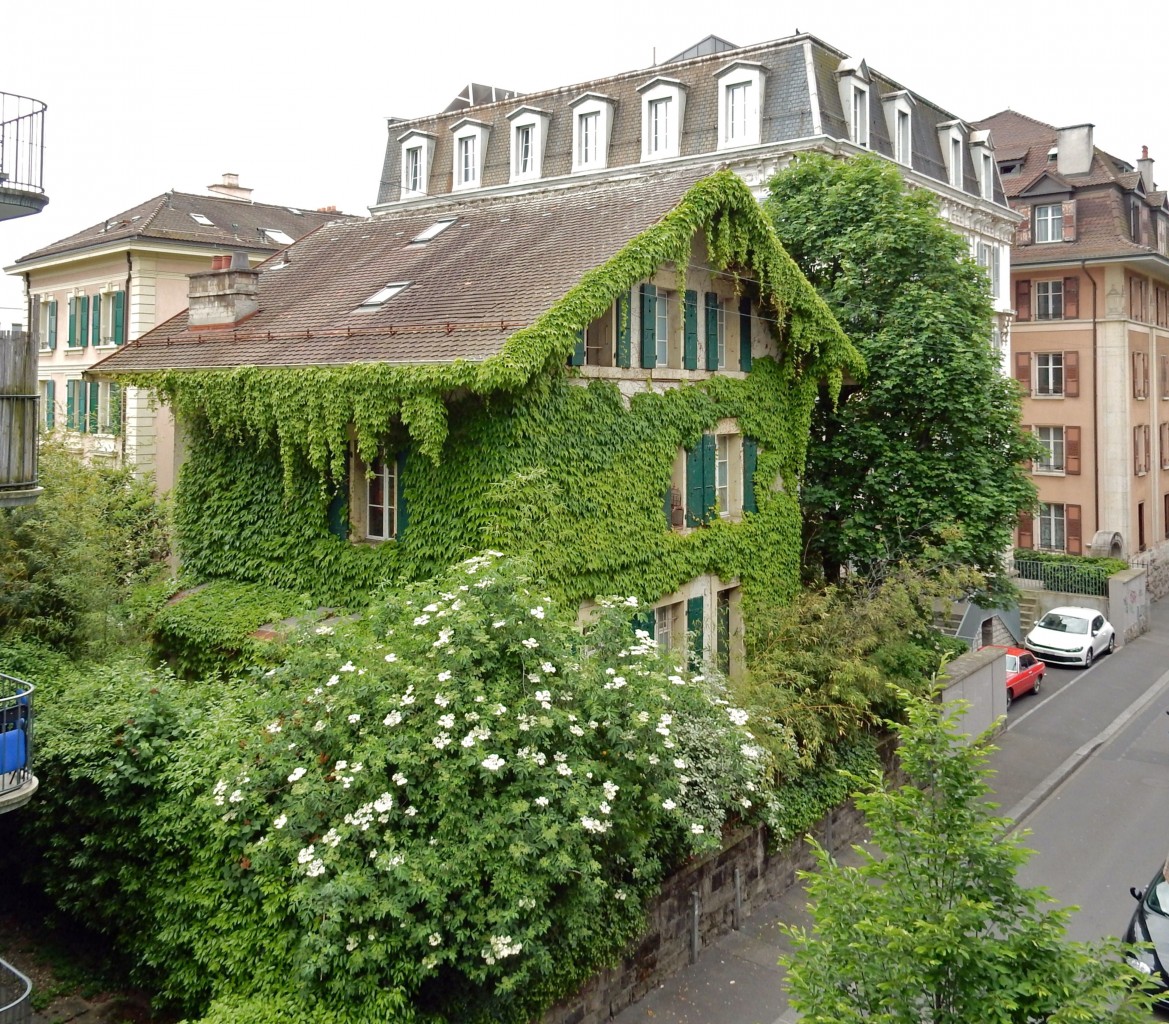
147	96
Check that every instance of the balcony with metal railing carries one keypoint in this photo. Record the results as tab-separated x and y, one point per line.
17	781
22	156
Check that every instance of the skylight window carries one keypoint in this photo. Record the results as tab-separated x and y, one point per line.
198	218
278	236
383	295
435	229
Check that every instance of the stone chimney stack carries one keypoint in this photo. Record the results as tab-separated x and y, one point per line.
1145	166
224	296
1075	149
231	187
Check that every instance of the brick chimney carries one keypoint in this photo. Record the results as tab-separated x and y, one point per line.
1075	149
1145	166
223	296
231	187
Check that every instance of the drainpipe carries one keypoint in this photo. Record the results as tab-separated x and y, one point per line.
125	341
1095	398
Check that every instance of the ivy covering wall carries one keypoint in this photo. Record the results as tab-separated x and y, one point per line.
509	453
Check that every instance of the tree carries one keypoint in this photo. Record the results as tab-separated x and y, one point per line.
925	455
936	930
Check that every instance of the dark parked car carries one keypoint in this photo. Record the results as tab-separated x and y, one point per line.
1150	924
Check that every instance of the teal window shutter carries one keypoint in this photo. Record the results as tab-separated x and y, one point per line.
338	511
624	330
400	490
694	488
694	628
71	404
83	321
711	331
94	405
750	457
53	324
50	403
745	334
119	317
73	304
649	319
709	469
645	620
578	350
690	331
95	334
115	408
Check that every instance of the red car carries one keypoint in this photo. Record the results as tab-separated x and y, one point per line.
1024	671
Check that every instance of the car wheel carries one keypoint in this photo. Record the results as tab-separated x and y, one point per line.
1009	697
1035	688
1111	643
1089	654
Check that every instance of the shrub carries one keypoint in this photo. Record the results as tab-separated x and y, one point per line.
1071	574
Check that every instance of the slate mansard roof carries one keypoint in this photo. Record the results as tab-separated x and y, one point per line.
172	217
801	102
497	266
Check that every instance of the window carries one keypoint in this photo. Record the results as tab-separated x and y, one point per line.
109	318
989	259
198	218
376	502
1049	373
45	327
663	106
470	147
468	167
1140	375
719	477
417	149
735	112
723	473
721	335
740	90
987	175
529	130
593	120
586	139
903	137
657	339
278	236
860	116
48	392
382	295
412	170
1052	527
664	625
956	161
1049	300
435	229
662	328
1134	220
1049	223
93	407
659	126
722	630
523	150
1052	461
382	500
78	336
1140	446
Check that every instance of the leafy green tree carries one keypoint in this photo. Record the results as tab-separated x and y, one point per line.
925	455
935	929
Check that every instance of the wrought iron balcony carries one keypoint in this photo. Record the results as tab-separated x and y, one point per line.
17	781
22	156
15	990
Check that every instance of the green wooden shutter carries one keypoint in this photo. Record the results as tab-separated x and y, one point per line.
116	409
94	405
53	324
694	629
95	333
745	334
50	403
400	491
71	404
578	350
711	331
750	458
73	303
709	469
694	477
690	331
649	316
624	330
119	317
645	620
83	321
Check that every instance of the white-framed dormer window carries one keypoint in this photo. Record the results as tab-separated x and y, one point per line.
470	147
982	153
592	125
899	120
952	138
663	110
740	95
529	133
860	116
417	149
854	82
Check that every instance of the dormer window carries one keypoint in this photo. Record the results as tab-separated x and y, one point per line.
899	120
470	138
529	132
417	158
982	152
952	138
860	116
740	95
592	124
663	108
854	82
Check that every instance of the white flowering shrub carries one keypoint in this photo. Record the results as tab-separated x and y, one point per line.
459	806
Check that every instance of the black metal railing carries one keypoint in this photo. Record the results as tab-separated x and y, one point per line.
16	736
1065	577
22	143
15	989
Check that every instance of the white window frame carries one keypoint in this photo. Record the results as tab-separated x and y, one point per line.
43	304
952	137
412	169
1048	225
985	165
1054	441
385	472
740	104
590	105
859	115
532	123
663	114
662	327
1048	294
721	332
1049	366
723	445
424	142
899	114
1051	520
469	148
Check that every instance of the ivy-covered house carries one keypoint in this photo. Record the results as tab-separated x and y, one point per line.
613	379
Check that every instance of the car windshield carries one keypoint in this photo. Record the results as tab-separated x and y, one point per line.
1157	898
1063	623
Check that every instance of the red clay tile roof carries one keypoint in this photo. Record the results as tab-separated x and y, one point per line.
500	265
235	224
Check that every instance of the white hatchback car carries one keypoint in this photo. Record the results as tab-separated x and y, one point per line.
1071	636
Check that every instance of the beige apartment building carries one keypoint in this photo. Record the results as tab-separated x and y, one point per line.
1090	341
107	285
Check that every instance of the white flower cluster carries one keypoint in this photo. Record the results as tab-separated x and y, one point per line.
501	946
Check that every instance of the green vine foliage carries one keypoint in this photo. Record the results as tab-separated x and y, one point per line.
509	452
